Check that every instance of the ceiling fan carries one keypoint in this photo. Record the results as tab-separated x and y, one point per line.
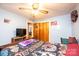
35	7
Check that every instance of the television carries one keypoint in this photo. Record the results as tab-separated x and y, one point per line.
20	32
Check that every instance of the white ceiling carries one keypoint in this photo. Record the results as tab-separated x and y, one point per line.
54	9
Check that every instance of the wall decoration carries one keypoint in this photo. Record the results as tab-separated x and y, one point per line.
54	23
74	15
6	20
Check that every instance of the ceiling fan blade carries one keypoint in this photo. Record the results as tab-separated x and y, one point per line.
22	8
44	11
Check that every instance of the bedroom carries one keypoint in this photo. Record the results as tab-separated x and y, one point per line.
50	24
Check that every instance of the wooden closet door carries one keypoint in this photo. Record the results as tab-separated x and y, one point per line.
41	31
46	32
36	30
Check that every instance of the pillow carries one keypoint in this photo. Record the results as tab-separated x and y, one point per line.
72	40
22	53
18	54
5	52
64	41
14	48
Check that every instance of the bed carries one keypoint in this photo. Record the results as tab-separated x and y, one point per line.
34	47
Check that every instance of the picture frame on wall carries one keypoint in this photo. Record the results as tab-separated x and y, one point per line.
6	20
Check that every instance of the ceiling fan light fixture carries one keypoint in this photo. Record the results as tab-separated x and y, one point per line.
35	6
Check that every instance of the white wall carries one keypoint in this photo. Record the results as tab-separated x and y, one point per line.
63	29
8	30
76	25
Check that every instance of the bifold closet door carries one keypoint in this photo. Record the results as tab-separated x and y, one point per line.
41	31
36	30
46	31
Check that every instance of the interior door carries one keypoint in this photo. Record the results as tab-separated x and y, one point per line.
41	31
36	30
46	31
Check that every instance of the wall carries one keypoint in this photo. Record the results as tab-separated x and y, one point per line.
76	25
63	29
8	30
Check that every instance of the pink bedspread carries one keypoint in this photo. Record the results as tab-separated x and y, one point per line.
72	50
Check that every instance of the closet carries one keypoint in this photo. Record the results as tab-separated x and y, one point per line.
41	31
